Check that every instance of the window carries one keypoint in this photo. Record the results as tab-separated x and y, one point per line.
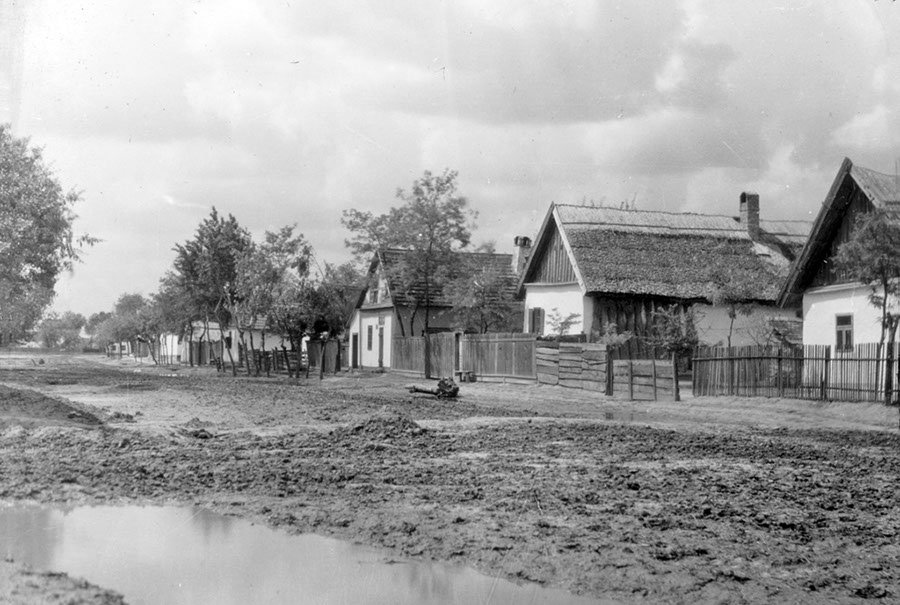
843	333
537	321
369	338
373	295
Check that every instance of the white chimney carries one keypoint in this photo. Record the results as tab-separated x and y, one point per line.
521	252
750	214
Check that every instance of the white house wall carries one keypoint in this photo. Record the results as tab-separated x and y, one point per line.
712	323
822	305
359	326
565	299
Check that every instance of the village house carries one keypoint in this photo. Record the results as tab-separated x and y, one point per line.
383	312
203	343
615	267
836	309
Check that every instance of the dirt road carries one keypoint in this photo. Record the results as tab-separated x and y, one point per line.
701	501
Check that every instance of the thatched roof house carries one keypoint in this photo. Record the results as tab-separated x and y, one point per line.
615	266
836	310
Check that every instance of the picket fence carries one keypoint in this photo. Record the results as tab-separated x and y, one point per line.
809	372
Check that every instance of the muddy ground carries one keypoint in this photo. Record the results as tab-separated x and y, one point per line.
701	501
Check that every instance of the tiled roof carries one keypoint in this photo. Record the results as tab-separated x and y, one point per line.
470	261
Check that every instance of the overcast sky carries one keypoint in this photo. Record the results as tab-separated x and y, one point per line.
291	111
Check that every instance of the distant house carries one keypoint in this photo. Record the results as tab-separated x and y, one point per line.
617	266
836	309
383	312
205	342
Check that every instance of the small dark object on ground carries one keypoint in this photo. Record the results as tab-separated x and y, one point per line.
446	388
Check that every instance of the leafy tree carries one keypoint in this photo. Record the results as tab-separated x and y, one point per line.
734	294
560	324
37	241
430	224
91	327
206	269
872	256
483	296
61	331
128	323
269	285
673	328
611	336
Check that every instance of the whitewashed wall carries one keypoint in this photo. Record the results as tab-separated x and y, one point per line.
383	318
821	305
712	324
566	298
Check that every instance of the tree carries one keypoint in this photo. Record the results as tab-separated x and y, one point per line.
673	329
206	270
37	241
431	224
61	331
734	294
270	280
92	326
871	255
483	296
560	324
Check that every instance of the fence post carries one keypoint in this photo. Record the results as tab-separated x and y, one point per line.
824	390
888	372
780	378
630	381
610	385
675	387
653	372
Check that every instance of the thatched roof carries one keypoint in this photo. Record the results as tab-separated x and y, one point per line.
882	190
671	255
469	262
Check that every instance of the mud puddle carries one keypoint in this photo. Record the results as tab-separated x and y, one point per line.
174	555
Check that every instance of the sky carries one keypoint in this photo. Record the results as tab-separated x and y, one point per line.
289	112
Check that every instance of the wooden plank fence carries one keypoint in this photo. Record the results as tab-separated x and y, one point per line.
645	379
516	357
809	372
501	357
408	355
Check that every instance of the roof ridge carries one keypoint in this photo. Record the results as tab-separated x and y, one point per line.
669	212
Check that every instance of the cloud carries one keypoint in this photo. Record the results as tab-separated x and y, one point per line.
289	112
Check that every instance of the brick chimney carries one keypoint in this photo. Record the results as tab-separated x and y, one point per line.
521	253
750	214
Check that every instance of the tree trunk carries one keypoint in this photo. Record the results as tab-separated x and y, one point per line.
400	321
191	344
230	358
889	361
265	358
151	346
246	354
287	360
322	359
255	358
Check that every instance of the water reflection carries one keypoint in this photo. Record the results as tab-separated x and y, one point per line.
171	555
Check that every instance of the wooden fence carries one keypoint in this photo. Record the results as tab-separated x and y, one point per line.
335	355
809	372
408	354
501	357
516	357
591	366
645	379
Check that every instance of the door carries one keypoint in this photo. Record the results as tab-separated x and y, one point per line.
354	351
